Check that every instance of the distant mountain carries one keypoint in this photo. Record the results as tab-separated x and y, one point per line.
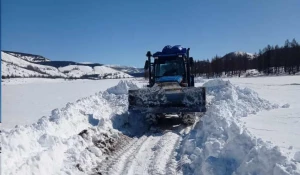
86	71
27	56
58	64
250	56
136	72
17	66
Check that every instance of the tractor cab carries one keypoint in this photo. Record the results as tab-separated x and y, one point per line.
171	65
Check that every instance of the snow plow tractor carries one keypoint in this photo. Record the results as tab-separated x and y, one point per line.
171	90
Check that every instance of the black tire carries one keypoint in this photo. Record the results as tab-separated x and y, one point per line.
151	119
188	119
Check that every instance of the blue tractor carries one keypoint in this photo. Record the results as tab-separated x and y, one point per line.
171	89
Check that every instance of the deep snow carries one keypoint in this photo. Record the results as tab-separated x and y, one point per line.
220	144
85	134
279	126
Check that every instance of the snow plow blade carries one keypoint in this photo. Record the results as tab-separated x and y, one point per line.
159	99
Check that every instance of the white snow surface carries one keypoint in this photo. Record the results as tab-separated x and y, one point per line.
218	144
279	126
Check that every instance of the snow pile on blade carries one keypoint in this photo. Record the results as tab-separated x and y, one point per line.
70	141
122	88
219	143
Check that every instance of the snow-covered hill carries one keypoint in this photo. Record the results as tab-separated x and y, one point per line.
102	71
11	70
240	53
28	57
13	66
127	69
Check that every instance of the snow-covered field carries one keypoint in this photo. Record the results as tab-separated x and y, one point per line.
96	135
280	126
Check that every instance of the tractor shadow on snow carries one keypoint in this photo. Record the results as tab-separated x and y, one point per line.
135	125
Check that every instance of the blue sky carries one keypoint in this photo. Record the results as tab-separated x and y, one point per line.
121	32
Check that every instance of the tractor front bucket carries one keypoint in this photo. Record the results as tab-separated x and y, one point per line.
167	98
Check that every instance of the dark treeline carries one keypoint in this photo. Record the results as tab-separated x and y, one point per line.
270	60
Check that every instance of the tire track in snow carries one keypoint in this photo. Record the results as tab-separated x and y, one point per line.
117	161
153	153
138	163
164	159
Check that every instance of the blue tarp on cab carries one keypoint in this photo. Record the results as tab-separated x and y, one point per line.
171	51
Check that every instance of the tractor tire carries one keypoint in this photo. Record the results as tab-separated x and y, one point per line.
188	119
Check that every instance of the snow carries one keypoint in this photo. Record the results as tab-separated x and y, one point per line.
297	156
24	101
220	144
95	134
250	55
122	87
279	126
104	70
83	69
26	57
9	69
32	149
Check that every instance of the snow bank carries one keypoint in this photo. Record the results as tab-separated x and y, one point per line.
70	141
122	87
219	143
297	156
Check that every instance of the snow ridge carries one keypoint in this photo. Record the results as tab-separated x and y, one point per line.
220	144
31	149
122	87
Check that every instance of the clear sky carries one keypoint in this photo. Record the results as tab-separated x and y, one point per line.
121	32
